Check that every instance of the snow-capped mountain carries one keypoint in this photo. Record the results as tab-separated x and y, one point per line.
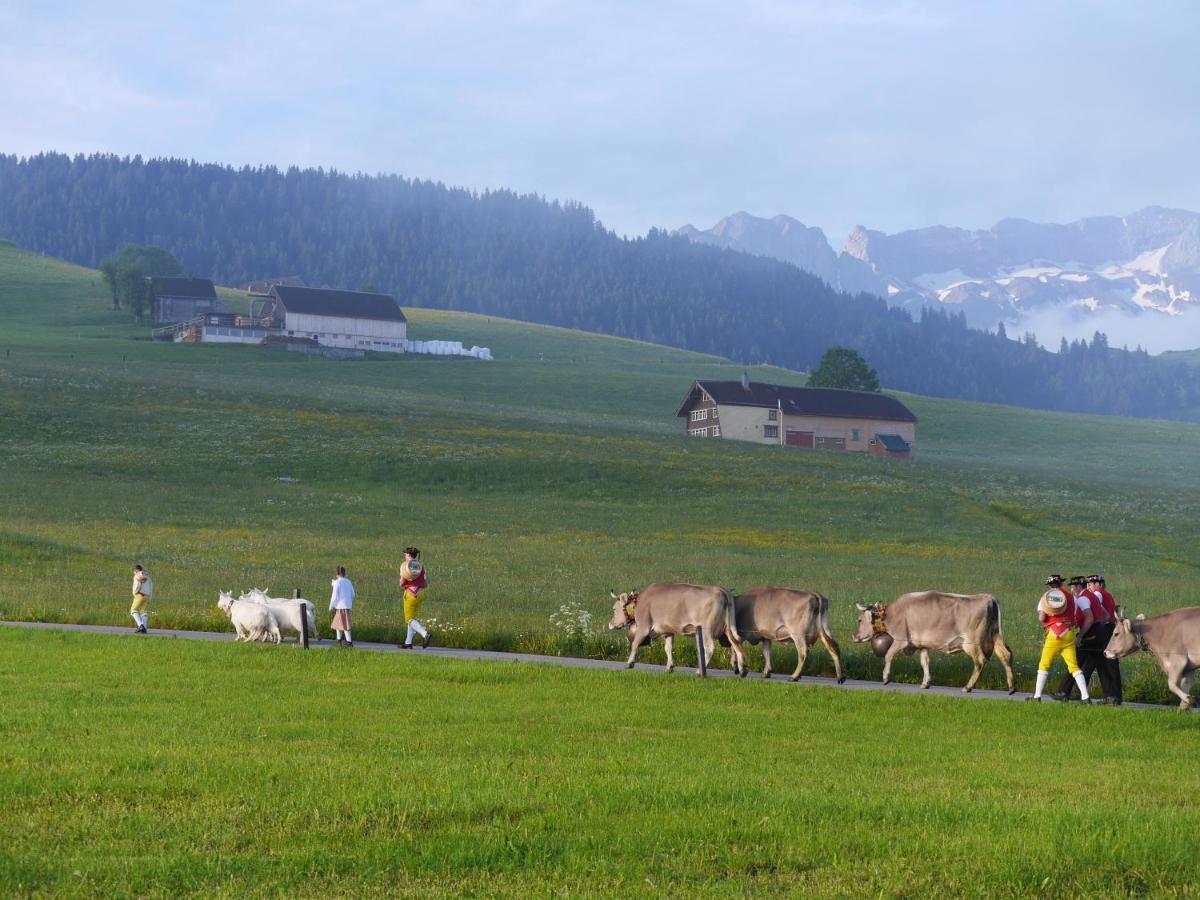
1136	277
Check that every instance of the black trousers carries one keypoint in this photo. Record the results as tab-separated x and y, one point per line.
1092	659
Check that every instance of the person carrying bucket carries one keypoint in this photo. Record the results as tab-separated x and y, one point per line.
413	582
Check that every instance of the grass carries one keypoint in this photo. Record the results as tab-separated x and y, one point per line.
532	483
165	768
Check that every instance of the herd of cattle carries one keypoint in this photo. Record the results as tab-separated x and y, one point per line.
915	623
259	617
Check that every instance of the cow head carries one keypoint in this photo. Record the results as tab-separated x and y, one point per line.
224	600
623	607
870	622
1126	637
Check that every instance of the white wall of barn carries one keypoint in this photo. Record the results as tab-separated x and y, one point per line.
338	331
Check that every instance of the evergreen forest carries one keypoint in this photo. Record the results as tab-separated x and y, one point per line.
524	257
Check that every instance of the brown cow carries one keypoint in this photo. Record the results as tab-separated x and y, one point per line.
1173	639
933	620
665	610
770	614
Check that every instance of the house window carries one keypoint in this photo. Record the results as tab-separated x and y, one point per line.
854	435
699	415
770	431
772	415
697	432
716	431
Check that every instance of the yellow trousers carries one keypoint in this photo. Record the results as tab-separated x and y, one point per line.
139	603
1056	645
412	604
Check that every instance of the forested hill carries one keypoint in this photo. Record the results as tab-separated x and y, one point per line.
526	258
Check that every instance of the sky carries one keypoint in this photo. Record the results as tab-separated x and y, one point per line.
888	114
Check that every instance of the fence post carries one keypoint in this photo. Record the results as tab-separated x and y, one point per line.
701	662
303	619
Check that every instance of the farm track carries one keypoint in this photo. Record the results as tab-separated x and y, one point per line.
567	661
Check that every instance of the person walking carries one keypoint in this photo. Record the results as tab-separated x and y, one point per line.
1056	613
341	601
1089	646
413	582
1110	669
143	590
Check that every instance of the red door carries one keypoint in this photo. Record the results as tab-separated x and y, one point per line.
799	438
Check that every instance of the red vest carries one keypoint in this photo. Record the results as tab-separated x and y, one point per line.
1109	604
417	584
1064	621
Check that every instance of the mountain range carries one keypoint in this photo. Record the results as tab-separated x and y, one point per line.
1135	277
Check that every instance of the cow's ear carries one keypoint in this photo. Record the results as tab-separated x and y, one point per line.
860	607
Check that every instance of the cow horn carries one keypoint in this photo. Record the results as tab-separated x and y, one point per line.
1121	612
612	594
861	608
1141	616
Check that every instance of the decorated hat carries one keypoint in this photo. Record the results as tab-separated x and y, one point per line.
1077	580
1100	579
1053	603
1094	579
1054	579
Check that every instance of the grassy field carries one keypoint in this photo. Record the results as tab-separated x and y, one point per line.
532	483
165	768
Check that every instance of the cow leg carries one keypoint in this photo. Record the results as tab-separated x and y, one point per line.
836	652
801	654
1005	655
709	646
766	645
925	669
669	640
1185	685
636	635
977	657
887	661
1178	684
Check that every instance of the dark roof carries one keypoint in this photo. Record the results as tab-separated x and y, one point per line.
178	286
894	443
264	285
799	401
350	304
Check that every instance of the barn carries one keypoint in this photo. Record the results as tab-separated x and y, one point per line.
181	299
352	320
818	418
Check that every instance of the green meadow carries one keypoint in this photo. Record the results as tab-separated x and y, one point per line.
159	768
531	483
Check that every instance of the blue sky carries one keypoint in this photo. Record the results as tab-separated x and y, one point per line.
890	114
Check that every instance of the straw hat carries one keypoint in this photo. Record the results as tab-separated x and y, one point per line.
1053	603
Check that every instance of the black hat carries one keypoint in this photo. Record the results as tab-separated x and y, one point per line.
1052	579
1095	578
1077	580
1100	578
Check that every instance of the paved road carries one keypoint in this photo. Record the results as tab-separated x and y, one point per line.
569	661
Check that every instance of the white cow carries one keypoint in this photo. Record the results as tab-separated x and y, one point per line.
285	611
251	621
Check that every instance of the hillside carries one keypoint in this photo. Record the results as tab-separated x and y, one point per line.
535	482
522	257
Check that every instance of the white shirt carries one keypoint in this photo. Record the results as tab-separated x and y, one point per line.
343	594
142	584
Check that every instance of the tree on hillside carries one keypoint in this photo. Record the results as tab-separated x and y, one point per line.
133	288
153	260
109	270
843	368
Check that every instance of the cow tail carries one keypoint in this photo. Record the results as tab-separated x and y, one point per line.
731	616
824	618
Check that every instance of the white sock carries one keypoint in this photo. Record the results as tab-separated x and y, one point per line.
349	640
1082	682
418	628
134	616
145	619
338	635
1040	685
408	637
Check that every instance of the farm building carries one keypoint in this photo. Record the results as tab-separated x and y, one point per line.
820	418
262	286
352	320
180	299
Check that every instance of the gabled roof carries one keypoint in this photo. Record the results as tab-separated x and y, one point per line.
264	285
799	401
894	443
179	286
347	304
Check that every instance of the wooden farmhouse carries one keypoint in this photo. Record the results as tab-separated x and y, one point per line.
180	299
820	418
352	320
